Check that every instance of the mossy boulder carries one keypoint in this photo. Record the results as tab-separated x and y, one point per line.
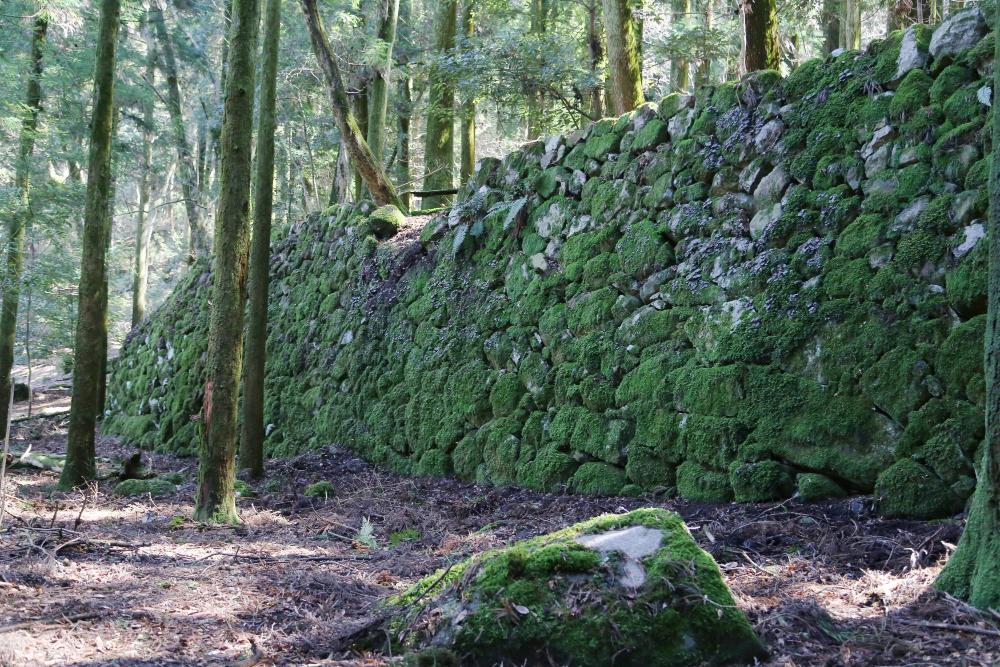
909	489
630	589
156	487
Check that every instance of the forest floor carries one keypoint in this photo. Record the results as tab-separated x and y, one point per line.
90	578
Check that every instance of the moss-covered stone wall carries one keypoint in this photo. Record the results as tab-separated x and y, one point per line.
770	287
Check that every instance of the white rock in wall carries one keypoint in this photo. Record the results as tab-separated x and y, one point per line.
958	32
911	55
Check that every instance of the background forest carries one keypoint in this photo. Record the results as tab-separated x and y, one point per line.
519	69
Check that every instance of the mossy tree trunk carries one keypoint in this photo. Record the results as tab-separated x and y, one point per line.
217	456
143	223
595	49
378	101
90	348
535	111
197	236
17	225
623	35
252	434
361	156
467	163
439	148
680	77
763	48
973	571
831	24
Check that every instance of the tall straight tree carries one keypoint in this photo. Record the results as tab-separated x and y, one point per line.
680	77
143	226
973	571
831	24
850	25
624	60
467	163
763	47
18	222
439	147
358	150
595	49
538	26
216	502
252	435
378	99
404	100
703	75
90	350
197	236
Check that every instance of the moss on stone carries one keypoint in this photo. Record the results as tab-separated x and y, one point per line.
812	487
156	487
908	489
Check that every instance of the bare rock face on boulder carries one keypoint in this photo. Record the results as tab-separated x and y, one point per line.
958	32
629	589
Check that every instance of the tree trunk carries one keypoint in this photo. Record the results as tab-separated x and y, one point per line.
216	502
439	149
680	77
595	48
468	131
361	155
91	323
252	440
197	236
535	111
18	222
102	391
378	102
763	49
904	13
624	61
703	75
973	571
831	24
404	103
851	25
143	228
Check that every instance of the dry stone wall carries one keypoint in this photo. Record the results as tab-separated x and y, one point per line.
768	288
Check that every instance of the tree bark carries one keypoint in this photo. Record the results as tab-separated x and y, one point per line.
143	226
851	25
595	48
973	571
763	48
535	112
91	322
703	75
197	235
18	223
252	440
361	156
439	149
404	103
217	456
467	163
378	102
831	24
680	77
624	62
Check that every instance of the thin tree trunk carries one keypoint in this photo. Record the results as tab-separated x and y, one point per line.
340	191
252	440
91	323
763	49
468	131
404	102
703	75
595	48
624	61
27	331
535	111
361	155
439	149
102	391
378	103
18	222
198	238
680	76
216	502
973	571
143	228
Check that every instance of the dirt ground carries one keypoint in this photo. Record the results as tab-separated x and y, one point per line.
90	578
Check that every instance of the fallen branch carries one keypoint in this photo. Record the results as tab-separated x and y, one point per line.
954	628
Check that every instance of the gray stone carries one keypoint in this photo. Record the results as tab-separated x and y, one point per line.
651	286
643	115
971	236
878	161
634	543
963	207
771	187
764	219
680	124
768	136
882	135
958	32
750	176
911	54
